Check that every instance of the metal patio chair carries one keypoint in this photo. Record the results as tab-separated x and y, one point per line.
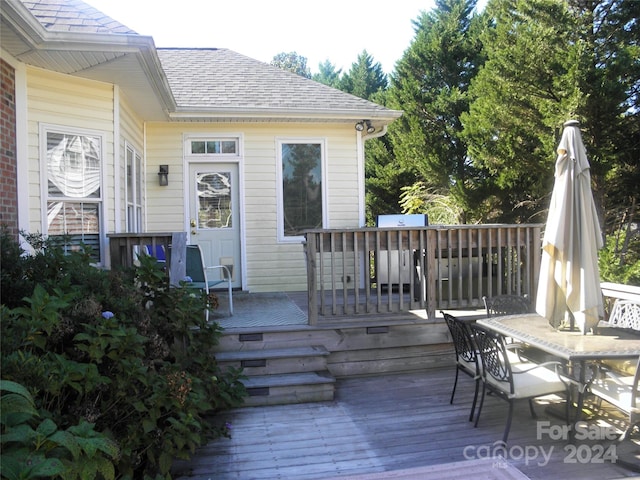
466	356
619	390
514	381
506	305
197	271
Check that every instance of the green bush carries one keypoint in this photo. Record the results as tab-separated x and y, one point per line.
113	356
619	260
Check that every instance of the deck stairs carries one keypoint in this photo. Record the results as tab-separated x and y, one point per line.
301	364
276	376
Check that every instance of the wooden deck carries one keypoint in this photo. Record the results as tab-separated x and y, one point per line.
400	423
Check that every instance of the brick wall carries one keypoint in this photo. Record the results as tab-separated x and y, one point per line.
8	159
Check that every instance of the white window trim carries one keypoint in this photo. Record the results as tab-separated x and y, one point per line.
214	137
281	238
44	129
138	178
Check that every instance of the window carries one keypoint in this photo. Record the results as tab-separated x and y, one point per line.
208	147
74	194
134	190
301	199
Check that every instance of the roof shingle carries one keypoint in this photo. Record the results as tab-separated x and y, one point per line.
221	78
74	16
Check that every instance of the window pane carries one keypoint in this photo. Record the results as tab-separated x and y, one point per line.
301	187
214	200
73	165
213	147
129	175
197	147
80	221
229	146
138	180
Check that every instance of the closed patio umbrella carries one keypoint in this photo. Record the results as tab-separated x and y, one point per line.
569	283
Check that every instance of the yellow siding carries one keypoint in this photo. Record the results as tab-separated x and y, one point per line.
67	101
132	133
62	100
270	266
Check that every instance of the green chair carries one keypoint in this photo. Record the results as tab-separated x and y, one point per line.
197	271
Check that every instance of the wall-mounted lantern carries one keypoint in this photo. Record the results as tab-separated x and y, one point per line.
163	175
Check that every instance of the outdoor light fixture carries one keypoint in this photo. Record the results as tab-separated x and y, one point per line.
370	128
163	175
360	126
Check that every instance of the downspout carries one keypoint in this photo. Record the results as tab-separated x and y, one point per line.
376	134
361	168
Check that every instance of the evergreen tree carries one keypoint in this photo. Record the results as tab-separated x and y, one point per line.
328	74
430	85
549	61
365	78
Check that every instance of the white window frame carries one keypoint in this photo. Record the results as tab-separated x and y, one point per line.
44	131
212	138
281	238
134	225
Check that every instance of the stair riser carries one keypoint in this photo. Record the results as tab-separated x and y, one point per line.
274	366
293	394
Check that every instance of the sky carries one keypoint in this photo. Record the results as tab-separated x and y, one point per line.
334	30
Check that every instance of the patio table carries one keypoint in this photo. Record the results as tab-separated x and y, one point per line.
573	347
577	349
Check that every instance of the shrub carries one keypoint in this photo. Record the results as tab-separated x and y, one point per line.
115	355
619	260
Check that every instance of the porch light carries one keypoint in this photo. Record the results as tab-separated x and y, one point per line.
370	128
163	175
360	126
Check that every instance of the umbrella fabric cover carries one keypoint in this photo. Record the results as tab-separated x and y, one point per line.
569	281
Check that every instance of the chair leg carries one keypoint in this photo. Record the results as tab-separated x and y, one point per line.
508	425
455	384
532	410
475	400
480	406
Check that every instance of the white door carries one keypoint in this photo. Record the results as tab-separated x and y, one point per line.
214	216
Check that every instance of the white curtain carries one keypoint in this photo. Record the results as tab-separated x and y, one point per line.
73	164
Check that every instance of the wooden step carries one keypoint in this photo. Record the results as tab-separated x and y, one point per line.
289	388
270	361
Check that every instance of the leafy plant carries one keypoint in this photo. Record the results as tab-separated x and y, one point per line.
33	447
118	367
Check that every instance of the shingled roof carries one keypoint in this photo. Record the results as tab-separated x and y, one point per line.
221	79
192	84
73	16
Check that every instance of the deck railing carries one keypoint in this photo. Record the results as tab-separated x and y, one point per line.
124	249
388	270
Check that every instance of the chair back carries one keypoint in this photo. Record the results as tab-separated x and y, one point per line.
194	264
462	340
506	305
625	314
157	252
496	369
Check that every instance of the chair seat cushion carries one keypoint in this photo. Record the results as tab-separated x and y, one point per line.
617	393
530	382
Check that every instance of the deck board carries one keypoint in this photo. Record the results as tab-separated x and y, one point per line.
377	424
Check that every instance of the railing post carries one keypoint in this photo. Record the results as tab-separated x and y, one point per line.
310	248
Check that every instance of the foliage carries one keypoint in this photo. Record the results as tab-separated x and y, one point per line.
441	209
619	260
292	62
431	85
110	358
33	447
328	74
365	78
549	61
